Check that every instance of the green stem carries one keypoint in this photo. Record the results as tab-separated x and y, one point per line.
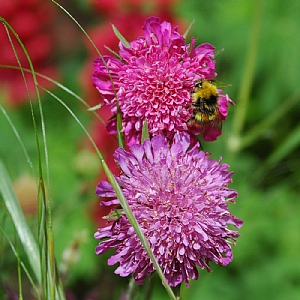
19	276
176	290
132	292
247	80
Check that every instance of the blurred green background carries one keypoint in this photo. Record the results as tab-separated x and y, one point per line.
260	142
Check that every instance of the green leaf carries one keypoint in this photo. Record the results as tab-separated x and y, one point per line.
145	131
114	215
219	84
115	54
96	107
218	52
120	134
188	30
120	36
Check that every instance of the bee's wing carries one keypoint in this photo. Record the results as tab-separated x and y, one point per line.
210	132
219	84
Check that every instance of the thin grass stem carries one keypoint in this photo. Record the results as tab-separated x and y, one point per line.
121	198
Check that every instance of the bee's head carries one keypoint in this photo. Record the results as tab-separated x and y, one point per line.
199	84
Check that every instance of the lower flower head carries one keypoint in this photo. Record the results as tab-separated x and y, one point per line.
179	197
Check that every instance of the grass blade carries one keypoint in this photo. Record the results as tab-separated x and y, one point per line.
122	200
188	30
15	211
47	266
18	137
273	118
22	265
64	88
285	148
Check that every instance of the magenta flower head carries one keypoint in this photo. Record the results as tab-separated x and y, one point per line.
180	198
153	79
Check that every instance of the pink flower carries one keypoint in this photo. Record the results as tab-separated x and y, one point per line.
153	80
180	200
103	36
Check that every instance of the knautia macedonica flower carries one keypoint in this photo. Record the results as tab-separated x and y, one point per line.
180	198
152	80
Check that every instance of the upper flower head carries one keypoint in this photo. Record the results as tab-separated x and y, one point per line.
179	198
153	80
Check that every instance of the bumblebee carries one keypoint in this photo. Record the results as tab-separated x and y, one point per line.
206	114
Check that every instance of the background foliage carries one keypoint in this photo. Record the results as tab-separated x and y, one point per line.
260	142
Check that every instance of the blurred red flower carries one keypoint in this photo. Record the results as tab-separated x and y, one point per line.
31	19
111	6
